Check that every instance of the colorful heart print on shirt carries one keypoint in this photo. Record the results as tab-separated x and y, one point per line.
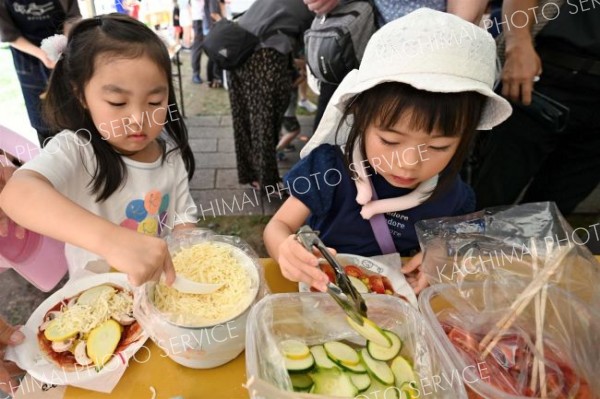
148	215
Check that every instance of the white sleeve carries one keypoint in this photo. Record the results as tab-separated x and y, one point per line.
64	161
185	206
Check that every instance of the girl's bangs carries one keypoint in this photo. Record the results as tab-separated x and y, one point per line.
450	114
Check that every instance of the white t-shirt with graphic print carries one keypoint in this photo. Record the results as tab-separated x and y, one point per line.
154	198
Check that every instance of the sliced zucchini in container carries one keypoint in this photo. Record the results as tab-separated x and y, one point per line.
299	366
341	353
378	369
294	349
358	369
321	359
371	332
379	352
333	382
362	382
403	371
410	390
379	391
301	382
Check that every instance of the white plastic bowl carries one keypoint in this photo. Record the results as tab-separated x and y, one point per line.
213	344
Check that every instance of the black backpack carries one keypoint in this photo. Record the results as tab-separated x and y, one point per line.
229	45
335	43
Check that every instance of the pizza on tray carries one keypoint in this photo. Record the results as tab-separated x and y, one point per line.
88	329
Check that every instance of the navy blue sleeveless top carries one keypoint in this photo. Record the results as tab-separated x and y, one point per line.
323	183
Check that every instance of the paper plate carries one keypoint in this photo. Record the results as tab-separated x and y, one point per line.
401	286
29	357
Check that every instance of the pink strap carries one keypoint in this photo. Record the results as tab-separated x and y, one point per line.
381	230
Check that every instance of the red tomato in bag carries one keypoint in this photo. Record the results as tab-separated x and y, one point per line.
376	284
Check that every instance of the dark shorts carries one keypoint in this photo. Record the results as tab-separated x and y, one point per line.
291	124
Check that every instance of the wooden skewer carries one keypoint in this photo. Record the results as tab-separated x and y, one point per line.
521	303
543	300
534	371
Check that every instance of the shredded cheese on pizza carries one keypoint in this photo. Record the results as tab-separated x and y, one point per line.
207	263
85	317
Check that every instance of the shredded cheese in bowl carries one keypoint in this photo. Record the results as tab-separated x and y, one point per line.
209	262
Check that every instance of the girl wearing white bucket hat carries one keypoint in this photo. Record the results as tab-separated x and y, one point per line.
390	144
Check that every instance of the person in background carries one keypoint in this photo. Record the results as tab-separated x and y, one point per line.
24	24
120	7
177	29
9	335
213	12
197	7
133	8
524	159
290	123
185	21
259	89
390	10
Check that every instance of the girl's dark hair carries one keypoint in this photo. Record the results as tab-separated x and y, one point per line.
120	36
452	114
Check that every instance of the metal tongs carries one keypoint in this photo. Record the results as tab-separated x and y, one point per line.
343	292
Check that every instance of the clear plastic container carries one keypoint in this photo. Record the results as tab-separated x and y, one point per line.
315	318
572	328
206	346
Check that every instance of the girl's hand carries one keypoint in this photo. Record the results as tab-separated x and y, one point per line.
142	257
415	277
298	264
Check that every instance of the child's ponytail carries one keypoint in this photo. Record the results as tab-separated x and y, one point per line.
61	106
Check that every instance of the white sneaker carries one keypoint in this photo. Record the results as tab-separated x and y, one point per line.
307	105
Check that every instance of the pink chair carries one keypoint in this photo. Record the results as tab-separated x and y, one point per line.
38	259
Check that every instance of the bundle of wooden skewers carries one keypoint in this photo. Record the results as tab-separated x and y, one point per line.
536	291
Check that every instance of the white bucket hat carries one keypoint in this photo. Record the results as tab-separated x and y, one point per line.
429	50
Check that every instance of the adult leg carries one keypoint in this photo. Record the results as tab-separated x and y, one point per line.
270	97
209	71
217	76
240	91
290	123
197	49
33	78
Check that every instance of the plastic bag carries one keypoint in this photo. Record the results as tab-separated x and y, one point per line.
571	338
206	346
521	275
315	318
498	244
